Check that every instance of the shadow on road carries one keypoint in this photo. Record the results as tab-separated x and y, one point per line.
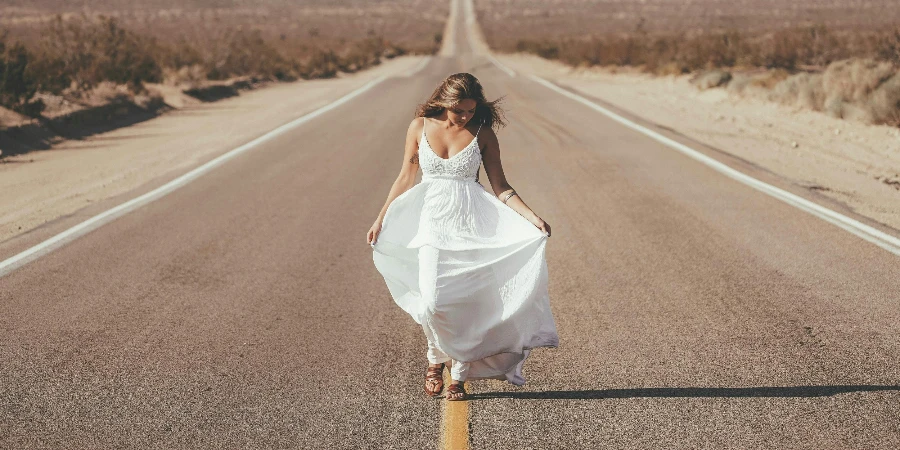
772	391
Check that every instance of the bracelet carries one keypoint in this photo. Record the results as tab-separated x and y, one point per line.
508	196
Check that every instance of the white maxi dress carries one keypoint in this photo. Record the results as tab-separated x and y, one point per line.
468	268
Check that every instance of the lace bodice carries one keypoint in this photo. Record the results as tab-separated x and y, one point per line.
463	165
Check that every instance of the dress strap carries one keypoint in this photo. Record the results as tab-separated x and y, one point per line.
479	129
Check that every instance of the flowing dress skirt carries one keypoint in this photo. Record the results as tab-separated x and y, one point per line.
471	271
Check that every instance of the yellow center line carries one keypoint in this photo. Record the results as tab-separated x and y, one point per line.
454	421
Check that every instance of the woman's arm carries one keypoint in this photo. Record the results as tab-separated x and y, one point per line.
494	170
407	177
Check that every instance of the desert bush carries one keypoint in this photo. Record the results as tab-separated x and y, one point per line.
17	87
708	50
362	54
89	51
802	89
669	54
106	92
854	80
755	83
663	60
885	102
246	53
769	78
739	83
193	75
543	49
322	64
710	79
888	47
789	49
181	59
860	89
625	51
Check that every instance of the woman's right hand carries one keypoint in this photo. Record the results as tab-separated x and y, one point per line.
372	235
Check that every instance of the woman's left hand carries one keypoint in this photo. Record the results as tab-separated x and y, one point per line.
544	226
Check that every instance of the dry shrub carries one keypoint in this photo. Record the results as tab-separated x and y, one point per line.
857	89
671	54
366	53
790	48
322	64
848	86
664	60
888	47
17	88
191	75
88	51
106	92
756	84
739	83
543	49
710	50
619	51
669	68
803	90
884	101
237	52
182	60
245	52
770	78
853	80
512	19
803	48
710	79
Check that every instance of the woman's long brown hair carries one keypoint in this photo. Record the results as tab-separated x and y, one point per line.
456	88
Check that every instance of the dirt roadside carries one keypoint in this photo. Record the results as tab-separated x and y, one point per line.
41	186
852	163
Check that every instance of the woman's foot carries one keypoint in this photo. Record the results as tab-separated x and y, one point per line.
434	379
456	391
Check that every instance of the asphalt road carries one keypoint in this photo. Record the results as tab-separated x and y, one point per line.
244	310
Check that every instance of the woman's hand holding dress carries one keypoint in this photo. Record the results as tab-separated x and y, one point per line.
544	226
372	235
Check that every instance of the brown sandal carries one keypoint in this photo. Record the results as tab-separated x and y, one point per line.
456	388
434	374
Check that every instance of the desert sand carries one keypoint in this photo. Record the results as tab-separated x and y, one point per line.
41	186
855	164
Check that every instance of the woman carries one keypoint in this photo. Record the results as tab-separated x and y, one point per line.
467	265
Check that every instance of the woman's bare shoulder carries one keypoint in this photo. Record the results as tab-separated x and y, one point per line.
488	134
416	123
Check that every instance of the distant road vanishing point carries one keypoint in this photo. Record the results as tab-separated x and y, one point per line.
241	308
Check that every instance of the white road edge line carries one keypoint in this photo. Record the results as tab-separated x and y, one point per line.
109	215
508	71
419	66
873	235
